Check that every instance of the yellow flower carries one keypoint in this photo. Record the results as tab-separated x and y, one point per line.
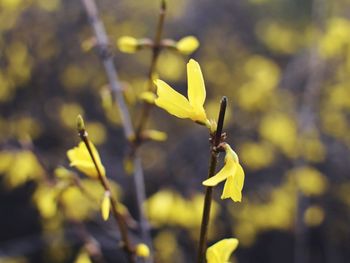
187	45
127	44
80	158
233	173
178	105
221	251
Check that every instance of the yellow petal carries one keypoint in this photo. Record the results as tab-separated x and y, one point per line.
227	171
88	168
239	177
221	251
187	45
80	158
196	88
172	101
234	185
106	207
231	155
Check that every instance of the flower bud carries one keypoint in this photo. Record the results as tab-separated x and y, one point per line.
127	44
142	250
106	206
187	45
80	123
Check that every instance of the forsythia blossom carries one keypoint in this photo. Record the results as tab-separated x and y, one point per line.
221	251
176	104
80	158
233	173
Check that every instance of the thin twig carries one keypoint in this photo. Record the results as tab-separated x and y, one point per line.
114	84
119	217
146	108
91	244
216	139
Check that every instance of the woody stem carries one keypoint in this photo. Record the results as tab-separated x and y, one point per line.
216	139
146	108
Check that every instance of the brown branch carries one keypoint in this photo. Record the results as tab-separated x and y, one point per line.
156	48
105	183
215	140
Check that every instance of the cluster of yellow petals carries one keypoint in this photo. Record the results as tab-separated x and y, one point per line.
233	173
221	251
177	104
80	158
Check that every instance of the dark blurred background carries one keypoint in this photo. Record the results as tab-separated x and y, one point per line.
284	66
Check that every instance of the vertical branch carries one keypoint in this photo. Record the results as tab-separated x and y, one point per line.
146	109
216	139
111	72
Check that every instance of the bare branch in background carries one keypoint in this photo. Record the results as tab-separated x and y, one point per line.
114	84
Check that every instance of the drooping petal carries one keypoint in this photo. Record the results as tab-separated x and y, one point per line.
80	158
234	185
196	87
87	168
239	177
172	101
221	251
230	191
227	171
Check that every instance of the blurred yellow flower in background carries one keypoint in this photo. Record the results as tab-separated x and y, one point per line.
309	180
80	158
179	106
30	167
233	173
83	257
168	207
221	251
